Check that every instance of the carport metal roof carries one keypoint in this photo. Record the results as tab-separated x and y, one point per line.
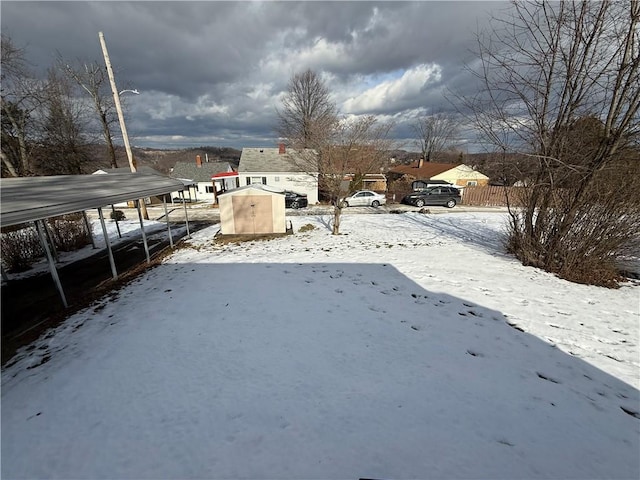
28	199
31	199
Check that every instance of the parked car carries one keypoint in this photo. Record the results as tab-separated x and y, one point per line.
445	196
364	198
295	200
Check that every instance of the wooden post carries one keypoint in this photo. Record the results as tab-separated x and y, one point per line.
116	99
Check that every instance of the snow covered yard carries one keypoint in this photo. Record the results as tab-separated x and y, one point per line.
410	346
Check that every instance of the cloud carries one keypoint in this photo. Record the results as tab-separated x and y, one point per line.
392	95
218	70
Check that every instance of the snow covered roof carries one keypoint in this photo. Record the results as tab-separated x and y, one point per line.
261	160
200	173
27	199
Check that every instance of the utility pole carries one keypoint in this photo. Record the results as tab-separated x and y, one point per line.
116	99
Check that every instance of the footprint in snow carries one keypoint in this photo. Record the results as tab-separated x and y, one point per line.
629	411
547	378
376	309
514	325
474	353
503	441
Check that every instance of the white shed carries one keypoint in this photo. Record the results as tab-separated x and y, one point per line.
251	210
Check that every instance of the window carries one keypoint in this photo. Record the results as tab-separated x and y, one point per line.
472	183
276	179
209	188
256	180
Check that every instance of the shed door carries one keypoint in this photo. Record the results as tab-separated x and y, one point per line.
252	214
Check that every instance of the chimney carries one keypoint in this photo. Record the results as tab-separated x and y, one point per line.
420	162
282	149
198	161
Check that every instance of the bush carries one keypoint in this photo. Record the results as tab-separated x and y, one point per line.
20	248
117	215
69	232
306	228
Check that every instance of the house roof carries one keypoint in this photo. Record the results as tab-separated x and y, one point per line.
26	199
428	169
199	174
270	160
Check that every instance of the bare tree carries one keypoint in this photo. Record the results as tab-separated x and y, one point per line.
308	113
545	69
435	133
92	78
21	97
330	147
64	119
358	147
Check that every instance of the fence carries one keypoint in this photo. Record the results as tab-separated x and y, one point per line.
491	196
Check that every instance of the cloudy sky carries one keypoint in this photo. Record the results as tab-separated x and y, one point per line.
213	73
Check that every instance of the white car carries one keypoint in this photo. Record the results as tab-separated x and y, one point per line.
364	198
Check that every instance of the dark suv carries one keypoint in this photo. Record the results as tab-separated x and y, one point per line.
295	200
445	196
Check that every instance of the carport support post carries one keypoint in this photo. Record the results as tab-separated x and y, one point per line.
144	235
52	265
114	273
5	277
186	217
166	216
88	225
52	244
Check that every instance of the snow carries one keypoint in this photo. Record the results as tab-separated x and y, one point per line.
394	350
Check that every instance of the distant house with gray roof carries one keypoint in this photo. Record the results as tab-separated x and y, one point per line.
210	177
280	168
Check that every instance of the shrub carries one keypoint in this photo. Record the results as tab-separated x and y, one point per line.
117	215
69	232
306	228
20	248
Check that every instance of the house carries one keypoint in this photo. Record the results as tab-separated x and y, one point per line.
370	181
284	170
455	173
209	177
251	209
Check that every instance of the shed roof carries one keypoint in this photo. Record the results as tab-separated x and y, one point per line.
260	160
27	199
255	186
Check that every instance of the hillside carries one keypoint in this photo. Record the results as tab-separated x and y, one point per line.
162	160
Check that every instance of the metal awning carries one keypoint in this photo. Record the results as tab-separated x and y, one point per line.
28	199
34	199
224	174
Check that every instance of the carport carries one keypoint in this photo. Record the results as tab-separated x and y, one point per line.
34	199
